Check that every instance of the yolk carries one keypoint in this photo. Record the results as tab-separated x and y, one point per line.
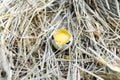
62	36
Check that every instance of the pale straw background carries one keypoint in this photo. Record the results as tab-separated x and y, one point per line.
25	32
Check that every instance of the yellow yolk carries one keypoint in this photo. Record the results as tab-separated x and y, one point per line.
62	36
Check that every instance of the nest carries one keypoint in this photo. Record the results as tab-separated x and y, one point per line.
26	27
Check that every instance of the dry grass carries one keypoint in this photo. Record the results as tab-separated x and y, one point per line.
25	31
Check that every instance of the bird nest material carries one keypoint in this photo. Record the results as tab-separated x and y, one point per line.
25	32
